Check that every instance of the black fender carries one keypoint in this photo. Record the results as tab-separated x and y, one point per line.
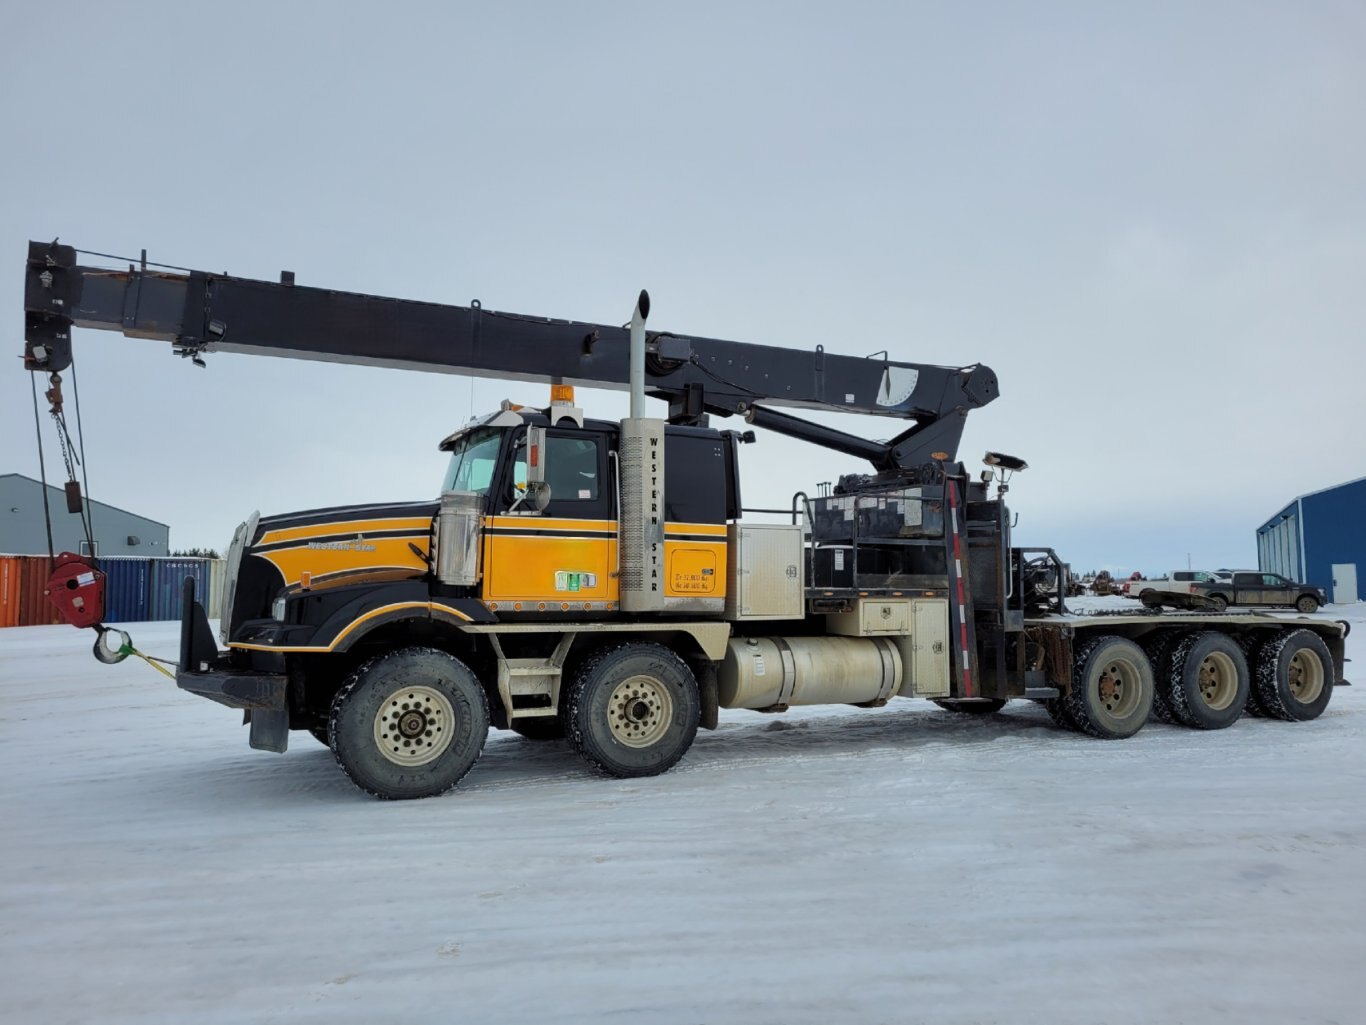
345	615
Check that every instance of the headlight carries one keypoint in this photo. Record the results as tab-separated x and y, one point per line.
277	609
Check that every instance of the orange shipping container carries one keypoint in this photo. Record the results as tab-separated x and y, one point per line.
34	608
9	589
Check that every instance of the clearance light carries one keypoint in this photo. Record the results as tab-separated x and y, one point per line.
562	394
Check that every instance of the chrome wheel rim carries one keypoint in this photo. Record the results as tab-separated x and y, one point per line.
1217	680
1305	676
639	711
414	726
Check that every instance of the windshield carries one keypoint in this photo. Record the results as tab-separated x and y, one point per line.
472	462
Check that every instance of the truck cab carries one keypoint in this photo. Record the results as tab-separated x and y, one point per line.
1263	589
540	538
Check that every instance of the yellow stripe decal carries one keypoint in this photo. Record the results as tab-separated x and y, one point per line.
346	527
714	529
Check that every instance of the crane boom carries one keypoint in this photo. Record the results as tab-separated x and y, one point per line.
199	312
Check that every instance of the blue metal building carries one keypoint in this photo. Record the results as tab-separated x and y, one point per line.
1319	538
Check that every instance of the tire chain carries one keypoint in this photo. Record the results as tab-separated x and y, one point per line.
1073	705
1266	678
1158	650
1252	651
1172	680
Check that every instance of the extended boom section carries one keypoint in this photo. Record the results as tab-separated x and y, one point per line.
200	312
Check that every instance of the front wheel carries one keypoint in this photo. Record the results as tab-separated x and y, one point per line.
1307	603
633	710
1218	602
409	723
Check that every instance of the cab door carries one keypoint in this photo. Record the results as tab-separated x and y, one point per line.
564	557
1276	590
1247	589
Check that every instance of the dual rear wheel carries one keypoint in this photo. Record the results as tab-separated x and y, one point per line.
1204	680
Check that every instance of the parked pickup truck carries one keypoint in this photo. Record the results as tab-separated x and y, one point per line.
1178	584
1260	589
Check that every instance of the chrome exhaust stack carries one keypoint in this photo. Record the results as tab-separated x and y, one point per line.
640	519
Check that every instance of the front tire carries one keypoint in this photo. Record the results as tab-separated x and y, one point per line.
633	710
1307	604
1218	602
1294	676
409	723
1112	688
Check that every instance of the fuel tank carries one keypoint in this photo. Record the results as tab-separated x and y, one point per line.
760	672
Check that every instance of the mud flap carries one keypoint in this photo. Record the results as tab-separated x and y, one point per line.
708	694
269	730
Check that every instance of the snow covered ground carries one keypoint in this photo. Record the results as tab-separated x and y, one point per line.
895	865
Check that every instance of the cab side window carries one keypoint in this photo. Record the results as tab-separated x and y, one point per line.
571	469
575	470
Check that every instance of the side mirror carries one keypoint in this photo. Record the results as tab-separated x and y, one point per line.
537	494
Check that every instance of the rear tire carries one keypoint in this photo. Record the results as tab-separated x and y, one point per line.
1058	713
1251	647
972	706
1205	681
1112	688
1294	676
1158	649
409	723
633	710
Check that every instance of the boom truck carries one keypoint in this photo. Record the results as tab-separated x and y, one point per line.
599	581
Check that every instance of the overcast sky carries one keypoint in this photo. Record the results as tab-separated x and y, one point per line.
1149	219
